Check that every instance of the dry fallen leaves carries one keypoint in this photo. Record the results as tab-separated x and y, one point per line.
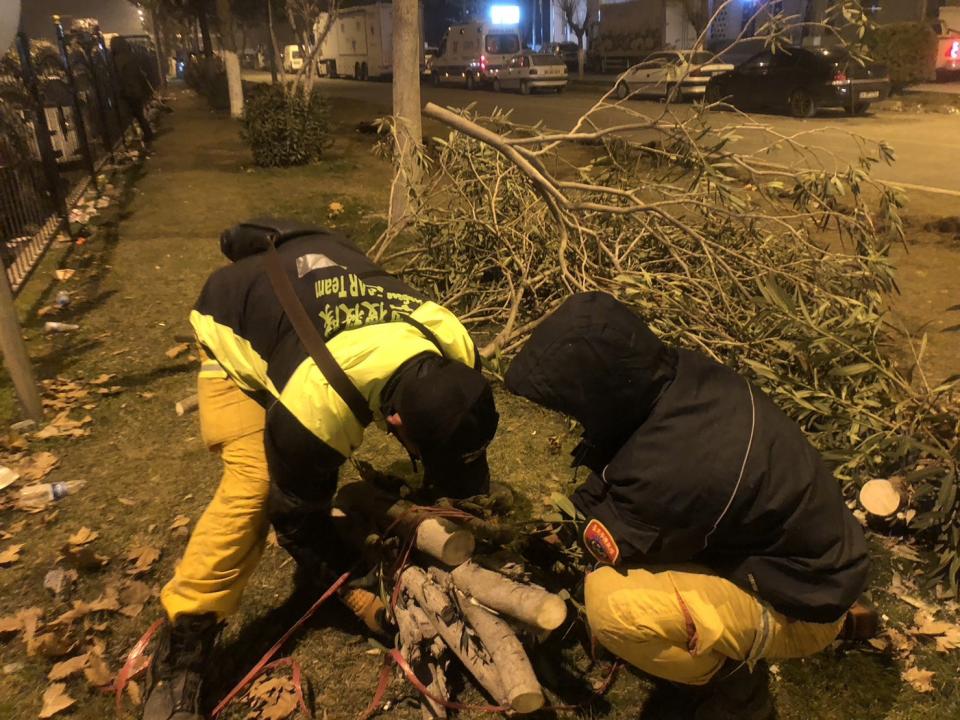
66	668
10	624
63	426
177	350
37	466
919	680
272	698
97	672
83	536
10	554
143	558
55	699
58	580
179	521
103	379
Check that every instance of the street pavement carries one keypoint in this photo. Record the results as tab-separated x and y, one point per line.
927	145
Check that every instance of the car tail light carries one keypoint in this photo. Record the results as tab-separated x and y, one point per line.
483	62
533	71
840	78
953	50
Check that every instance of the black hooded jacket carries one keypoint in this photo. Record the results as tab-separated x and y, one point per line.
691	463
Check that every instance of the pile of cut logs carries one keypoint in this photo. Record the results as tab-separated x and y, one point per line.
448	606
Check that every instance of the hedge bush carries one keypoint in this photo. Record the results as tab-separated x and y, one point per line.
908	49
284	128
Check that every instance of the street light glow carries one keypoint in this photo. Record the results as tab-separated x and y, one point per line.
505	14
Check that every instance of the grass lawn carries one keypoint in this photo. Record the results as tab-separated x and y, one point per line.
135	283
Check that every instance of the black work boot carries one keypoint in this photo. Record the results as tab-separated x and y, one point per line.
176	673
736	693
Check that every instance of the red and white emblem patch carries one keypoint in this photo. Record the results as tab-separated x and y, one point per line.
600	542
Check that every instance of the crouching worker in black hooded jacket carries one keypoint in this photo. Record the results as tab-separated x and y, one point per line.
304	341
723	538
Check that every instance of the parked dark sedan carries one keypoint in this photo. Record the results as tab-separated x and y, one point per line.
802	81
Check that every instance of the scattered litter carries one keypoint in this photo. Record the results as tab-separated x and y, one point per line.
334	209
62	299
59	327
23	425
58	580
64	274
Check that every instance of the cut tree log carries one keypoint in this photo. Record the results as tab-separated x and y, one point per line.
520	683
188	404
438	537
420	652
443	616
531	604
880	498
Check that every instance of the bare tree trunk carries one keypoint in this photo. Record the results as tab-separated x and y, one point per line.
230	59
581	55
406	106
204	28
275	59
158	46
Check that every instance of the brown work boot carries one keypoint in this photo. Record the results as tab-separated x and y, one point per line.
736	693
176	673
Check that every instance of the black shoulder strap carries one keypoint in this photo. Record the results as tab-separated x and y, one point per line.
312	340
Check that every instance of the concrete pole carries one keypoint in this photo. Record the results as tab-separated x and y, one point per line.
15	353
406	104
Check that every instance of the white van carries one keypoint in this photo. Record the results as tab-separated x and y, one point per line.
469	53
292	58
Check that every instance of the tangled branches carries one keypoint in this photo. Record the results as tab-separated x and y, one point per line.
759	249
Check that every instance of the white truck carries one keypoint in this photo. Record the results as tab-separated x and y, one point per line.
470	54
359	44
948	44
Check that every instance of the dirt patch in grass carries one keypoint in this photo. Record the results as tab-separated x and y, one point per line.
136	281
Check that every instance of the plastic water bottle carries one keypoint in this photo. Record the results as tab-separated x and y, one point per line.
48	492
62	299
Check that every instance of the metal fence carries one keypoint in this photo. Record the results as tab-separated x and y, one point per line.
61	120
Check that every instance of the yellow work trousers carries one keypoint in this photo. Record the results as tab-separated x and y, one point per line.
229	537
682	624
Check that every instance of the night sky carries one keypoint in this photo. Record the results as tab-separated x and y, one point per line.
117	16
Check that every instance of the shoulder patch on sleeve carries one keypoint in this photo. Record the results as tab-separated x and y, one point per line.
600	542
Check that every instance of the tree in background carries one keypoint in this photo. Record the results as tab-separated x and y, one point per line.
579	19
310	21
698	14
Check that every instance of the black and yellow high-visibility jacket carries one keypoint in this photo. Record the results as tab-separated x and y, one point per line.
359	310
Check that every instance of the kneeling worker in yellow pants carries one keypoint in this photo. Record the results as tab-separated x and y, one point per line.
305	341
723	538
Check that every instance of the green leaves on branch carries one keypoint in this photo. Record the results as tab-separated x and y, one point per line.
285	128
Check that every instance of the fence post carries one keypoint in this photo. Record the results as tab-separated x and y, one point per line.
78	120
47	156
15	354
114	83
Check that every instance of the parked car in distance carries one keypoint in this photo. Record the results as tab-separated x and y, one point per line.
801	81
569	51
528	71
685	72
429	53
292	58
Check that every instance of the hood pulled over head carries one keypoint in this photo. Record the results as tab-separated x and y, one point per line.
597	361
